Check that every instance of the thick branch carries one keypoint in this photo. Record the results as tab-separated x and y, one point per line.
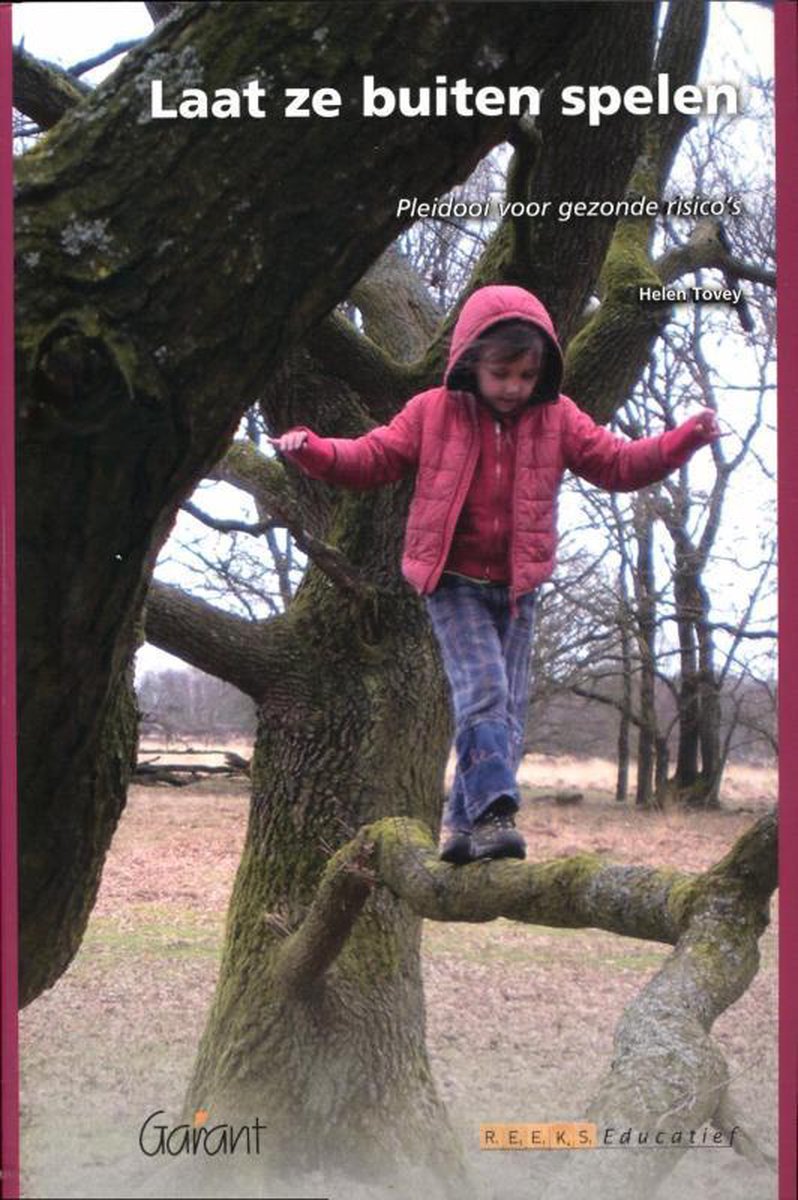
390	360
399	314
382	384
571	893
219	643
264	479
343	891
577	892
530	251
159	10
678	57
44	91
706	247
667	1074
178	774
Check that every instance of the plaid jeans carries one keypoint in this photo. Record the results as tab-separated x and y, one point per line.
486	657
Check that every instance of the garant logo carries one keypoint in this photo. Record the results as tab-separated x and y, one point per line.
158	1137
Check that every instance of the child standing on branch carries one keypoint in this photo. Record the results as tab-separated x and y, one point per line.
489	449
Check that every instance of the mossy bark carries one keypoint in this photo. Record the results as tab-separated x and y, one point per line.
608	355
43	91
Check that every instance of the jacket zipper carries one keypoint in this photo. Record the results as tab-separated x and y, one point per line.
498	477
459	497
513	523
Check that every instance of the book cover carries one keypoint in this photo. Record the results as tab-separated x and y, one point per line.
243	967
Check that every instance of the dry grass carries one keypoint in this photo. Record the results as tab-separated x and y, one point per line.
520	1019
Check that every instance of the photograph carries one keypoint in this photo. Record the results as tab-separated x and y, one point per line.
392	406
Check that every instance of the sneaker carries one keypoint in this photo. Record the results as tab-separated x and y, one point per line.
495	835
457	848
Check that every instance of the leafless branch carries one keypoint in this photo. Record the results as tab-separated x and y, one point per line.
227	526
88	64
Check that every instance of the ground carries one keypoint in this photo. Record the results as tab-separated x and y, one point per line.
520	1019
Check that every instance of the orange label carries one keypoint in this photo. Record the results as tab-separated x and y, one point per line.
552	1135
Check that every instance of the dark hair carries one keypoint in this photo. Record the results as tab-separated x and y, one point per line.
504	342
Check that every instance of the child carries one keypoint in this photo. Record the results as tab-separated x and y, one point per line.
489	449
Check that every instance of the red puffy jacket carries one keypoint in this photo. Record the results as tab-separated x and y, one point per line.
437	434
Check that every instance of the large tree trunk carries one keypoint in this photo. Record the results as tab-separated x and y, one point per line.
330	756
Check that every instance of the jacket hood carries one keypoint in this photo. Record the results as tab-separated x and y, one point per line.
504	302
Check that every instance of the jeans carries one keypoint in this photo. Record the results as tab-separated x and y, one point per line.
486	656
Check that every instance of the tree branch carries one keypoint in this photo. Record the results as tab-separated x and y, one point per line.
572	893
343	891
391	359
707	247
679	57
217	642
231	526
398	312
619	705
88	64
44	91
381	383
159	10
667	1074
530	250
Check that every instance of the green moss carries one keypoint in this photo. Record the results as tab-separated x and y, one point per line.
682	898
572	872
627	265
374	953
726	963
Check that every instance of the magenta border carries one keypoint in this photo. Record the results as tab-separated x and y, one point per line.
786	21
9	1057
786	31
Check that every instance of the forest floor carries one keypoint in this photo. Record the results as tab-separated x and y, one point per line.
520	1018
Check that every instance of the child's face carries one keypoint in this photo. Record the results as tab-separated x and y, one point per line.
508	386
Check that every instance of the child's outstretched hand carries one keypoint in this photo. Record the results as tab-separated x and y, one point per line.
699	430
705	424
289	443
